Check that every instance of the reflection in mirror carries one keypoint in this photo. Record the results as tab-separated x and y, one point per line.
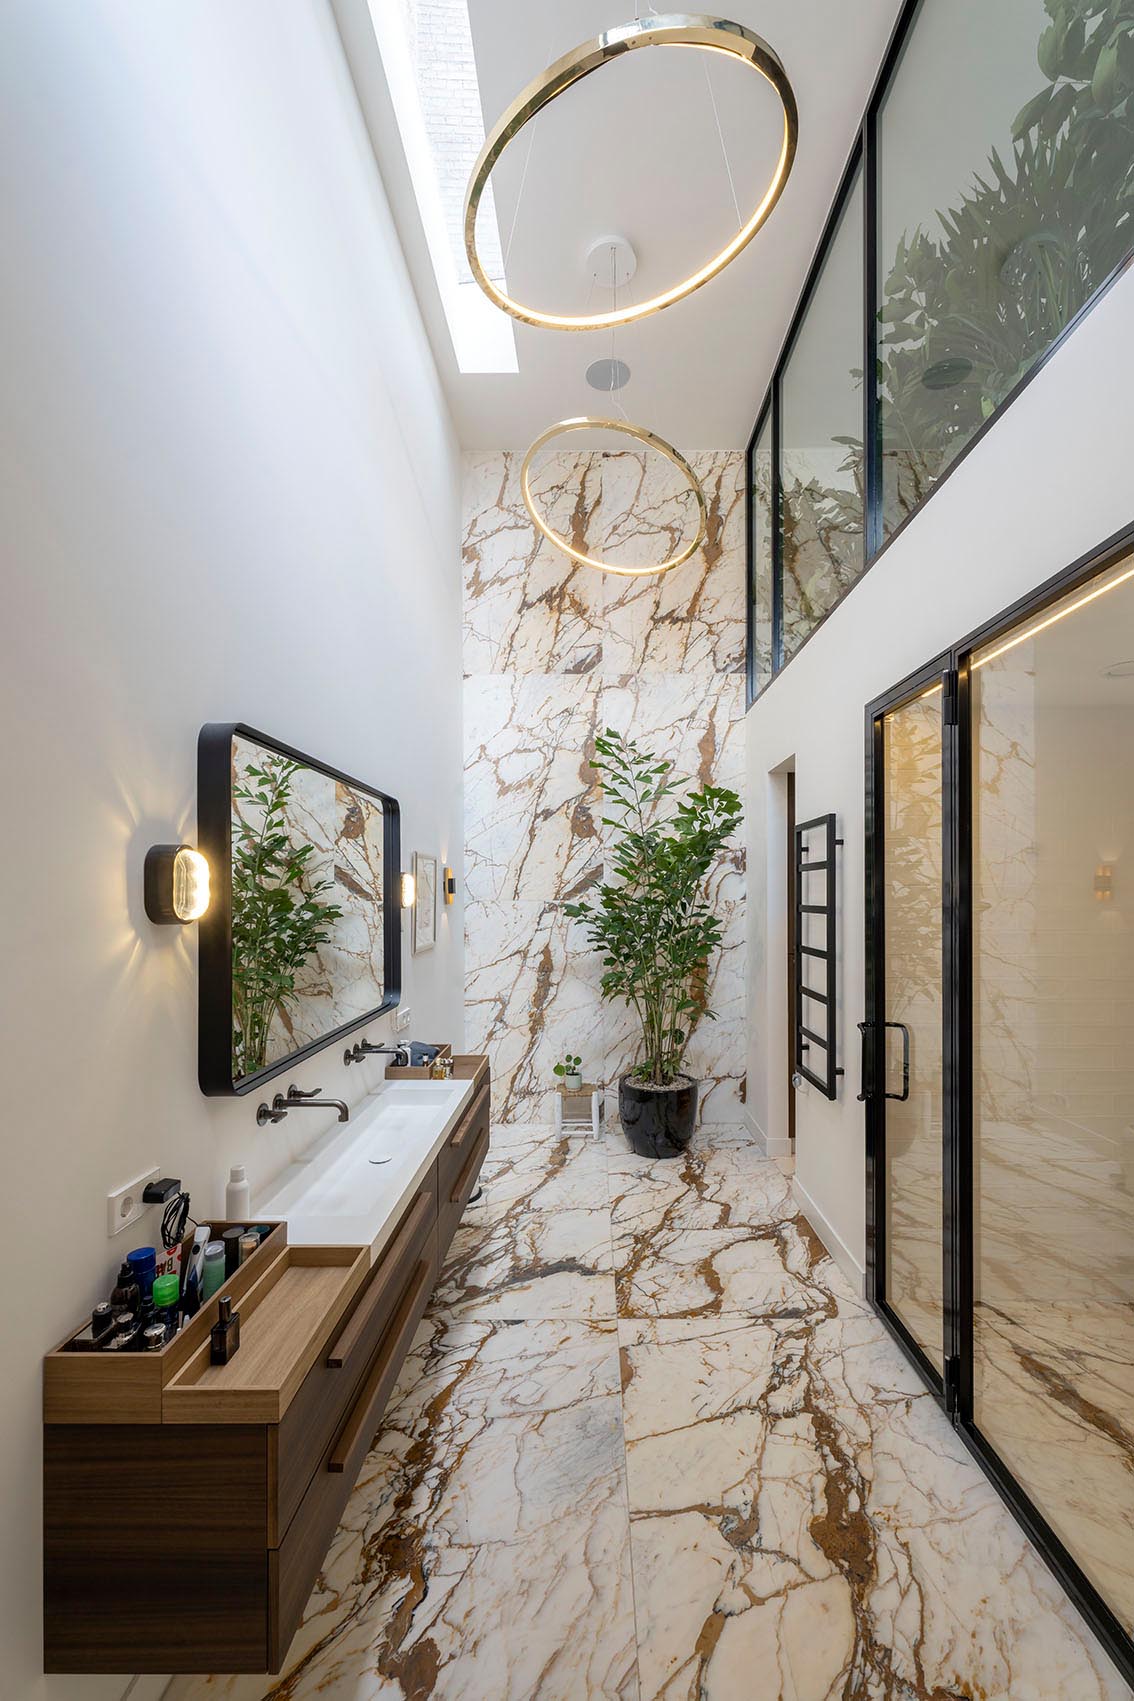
308	935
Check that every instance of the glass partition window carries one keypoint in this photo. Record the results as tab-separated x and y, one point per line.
998	171
1053	1068
1005	191
821	439
760	589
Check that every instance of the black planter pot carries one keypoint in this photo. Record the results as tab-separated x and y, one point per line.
658	1120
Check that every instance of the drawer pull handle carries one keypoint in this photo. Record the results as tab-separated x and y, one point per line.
471	1124
475	1156
377	1385
407	1240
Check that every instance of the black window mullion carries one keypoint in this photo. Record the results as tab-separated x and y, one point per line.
871	436
776	521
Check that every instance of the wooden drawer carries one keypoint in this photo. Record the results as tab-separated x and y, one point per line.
453	1155
139	1516
300	1440
453	1199
295	1564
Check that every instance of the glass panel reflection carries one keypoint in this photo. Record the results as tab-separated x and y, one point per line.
760	589
912	904
821	453
308	916
1005	195
1053	921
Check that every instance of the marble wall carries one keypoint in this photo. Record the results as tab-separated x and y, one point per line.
553	653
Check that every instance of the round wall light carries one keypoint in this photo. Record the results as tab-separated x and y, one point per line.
641	435
175	883
712	35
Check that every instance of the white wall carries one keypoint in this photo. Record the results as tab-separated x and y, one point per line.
1049	482
230	490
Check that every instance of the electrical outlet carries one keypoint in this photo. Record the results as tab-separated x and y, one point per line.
125	1205
402	1017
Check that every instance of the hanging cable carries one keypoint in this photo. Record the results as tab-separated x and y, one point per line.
721	140
527	162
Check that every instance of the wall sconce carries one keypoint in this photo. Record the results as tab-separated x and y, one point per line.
175	884
409	891
1104	883
448	885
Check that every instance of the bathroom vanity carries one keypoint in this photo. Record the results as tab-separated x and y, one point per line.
188	1506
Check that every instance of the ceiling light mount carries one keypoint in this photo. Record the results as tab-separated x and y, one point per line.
611	263
709	34
641	435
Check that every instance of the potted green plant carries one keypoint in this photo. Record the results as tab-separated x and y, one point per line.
570	1072
656	928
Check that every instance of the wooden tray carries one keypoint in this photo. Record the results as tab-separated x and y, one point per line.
80	1387
471	1068
284	1320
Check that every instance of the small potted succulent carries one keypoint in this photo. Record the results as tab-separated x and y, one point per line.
570	1072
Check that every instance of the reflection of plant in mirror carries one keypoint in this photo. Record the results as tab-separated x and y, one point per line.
278	916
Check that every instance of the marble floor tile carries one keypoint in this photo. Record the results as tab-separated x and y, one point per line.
759	1269
730	1487
526	1264
805	1526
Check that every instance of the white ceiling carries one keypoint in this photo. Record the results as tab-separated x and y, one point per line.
634	151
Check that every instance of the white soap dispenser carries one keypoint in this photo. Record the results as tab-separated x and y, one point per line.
237	1196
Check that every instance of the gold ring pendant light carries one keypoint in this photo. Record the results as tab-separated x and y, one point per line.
709	34
714	35
641	435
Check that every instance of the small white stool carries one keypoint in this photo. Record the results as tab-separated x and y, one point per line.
578	1110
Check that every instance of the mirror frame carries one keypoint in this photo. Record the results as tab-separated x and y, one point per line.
214	931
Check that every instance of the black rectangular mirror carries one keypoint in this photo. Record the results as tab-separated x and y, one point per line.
302	939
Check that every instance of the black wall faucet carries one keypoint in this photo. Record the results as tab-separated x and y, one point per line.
363	1048
297	1099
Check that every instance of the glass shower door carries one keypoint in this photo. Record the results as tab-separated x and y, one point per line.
905	1023
1053	1068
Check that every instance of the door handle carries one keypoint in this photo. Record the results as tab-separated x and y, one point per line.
865	1087
905	1033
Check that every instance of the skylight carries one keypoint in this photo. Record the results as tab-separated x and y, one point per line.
427	54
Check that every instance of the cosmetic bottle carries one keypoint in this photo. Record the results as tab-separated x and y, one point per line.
102	1319
249	1242
231	1239
225	1334
143	1265
167	1294
125	1296
213	1273
154	1338
237	1195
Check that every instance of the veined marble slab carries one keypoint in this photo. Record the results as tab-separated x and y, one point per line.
738	1493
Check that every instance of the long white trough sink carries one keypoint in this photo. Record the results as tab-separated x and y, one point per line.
351	1186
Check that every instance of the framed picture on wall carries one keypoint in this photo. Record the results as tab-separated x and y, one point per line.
424	902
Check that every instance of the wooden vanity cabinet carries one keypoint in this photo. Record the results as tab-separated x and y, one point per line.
185	1523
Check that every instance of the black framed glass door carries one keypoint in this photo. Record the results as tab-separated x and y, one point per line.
998	1059
904	1035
